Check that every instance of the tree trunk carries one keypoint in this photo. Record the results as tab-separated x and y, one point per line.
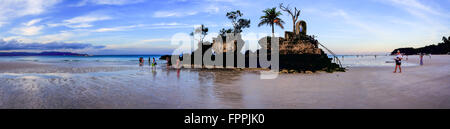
273	30
293	26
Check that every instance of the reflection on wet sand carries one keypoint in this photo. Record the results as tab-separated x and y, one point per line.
226	91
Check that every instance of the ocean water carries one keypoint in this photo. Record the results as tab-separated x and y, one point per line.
84	60
371	61
346	60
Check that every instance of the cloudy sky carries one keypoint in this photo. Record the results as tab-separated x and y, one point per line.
147	26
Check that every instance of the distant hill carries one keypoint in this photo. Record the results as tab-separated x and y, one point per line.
41	54
440	48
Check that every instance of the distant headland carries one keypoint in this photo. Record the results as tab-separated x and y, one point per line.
50	53
440	48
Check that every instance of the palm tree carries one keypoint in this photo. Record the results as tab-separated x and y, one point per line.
446	40
271	18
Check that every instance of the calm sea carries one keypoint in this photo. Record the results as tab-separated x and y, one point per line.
346	60
91	60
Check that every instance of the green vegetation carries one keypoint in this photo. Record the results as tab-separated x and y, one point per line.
271	18
202	30
440	48
295	13
238	22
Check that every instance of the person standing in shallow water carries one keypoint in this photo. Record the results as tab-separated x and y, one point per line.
398	62
149	61
141	61
168	62
421	59
154	62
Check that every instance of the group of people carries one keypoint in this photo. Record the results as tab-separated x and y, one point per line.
398	61
153	63
141	61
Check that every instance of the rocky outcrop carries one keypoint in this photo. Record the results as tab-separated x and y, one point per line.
298	52
299	47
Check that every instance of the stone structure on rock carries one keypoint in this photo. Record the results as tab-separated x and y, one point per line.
298	42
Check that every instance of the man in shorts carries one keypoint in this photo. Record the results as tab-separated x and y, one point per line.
398	62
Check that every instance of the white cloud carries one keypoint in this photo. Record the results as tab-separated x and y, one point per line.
81	25
212	9
81	21
155	40
2	23
168	24
62	36
119	28
32	22
173	25
199	7
17	38
427	15
11	9
86	19
415	5
162	14
109	2
354	21
28	31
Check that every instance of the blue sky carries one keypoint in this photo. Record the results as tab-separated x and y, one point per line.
147	26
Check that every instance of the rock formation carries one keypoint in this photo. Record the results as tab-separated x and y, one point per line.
298	51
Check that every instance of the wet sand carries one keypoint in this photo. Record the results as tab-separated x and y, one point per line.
33	85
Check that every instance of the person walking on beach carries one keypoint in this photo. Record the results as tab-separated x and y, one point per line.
421	58
398	62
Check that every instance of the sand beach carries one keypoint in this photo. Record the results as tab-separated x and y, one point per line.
25	85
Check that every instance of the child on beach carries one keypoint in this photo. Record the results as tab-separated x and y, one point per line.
398	62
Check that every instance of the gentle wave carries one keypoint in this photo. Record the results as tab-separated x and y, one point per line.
28	60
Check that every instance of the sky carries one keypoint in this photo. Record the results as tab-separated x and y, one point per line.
126	27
